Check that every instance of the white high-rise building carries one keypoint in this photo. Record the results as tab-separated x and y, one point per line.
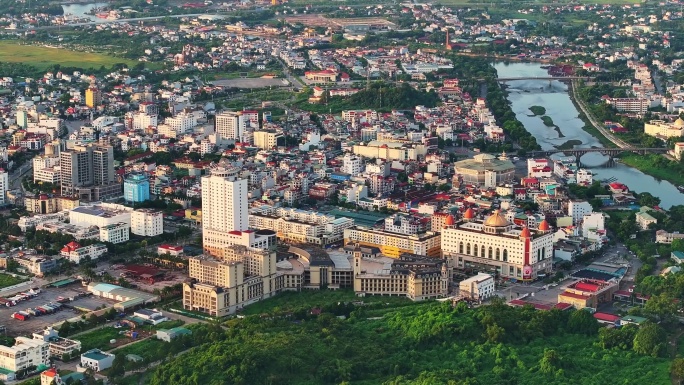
4	186
224	208
352	164
147	222
230	127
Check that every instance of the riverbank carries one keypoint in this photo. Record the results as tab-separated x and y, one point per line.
656	166
588	127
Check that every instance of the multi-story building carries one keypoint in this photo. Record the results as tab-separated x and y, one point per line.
100	215
77	253
147	222
93	97
182	122
136	188
36	265
4	186
87	172
664	130
292	225
485	170
352	164
406	224
414	276
578	209
224	208
230	127
25	353
115	233
267	139
46	169
496	245
59	347
478	288
394	244
221	287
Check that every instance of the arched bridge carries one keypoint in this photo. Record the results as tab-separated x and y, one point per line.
578	152
544	78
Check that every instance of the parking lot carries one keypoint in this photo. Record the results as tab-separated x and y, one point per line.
16	327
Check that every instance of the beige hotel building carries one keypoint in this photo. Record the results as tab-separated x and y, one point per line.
497	246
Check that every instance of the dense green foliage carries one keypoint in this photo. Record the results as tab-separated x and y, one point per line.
379	96
538	110
419	344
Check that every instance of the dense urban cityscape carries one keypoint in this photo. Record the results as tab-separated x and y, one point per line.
352	192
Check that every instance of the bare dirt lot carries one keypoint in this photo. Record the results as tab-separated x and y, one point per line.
16	327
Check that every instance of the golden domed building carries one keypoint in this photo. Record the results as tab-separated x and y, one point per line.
497	246
485	170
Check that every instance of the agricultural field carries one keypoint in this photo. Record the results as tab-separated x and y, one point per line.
44	57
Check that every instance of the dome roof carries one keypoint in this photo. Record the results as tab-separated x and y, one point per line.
679	122
469	214
449	221
484	157
496	220
544	226
525	233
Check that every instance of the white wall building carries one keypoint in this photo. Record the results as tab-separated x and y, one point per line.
115	233
25	353
479	287
578	209
147	222
100	215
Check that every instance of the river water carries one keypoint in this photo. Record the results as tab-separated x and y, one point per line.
554	97
79	10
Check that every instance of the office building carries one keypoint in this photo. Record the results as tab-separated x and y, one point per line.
293	225
93	97
100	215
224	208
87	172
230	127
136	188
147	222
497	246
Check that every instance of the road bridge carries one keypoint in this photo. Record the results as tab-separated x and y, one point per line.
544	78
612	152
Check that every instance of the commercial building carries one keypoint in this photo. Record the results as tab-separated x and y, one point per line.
485	170
268	140
222	287
394	244
414	276
664	130
87	172
224	209
128	298
293	225
147	222
497	246
45	204
36	265
588	293
4	186
100	215
477	288
97	360
230	127
136	188
151	316
391	150
93	97
25	353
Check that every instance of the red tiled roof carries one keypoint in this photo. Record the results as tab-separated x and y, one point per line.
573	295
606	317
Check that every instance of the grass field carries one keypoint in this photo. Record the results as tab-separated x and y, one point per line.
8	280
43	57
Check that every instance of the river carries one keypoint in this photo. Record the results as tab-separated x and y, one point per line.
79	10
554	97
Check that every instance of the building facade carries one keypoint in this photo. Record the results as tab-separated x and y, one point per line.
136	188
499	247
147	222
394	244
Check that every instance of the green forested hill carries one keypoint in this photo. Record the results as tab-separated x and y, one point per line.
422	344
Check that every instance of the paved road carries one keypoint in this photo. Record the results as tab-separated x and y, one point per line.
599	126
